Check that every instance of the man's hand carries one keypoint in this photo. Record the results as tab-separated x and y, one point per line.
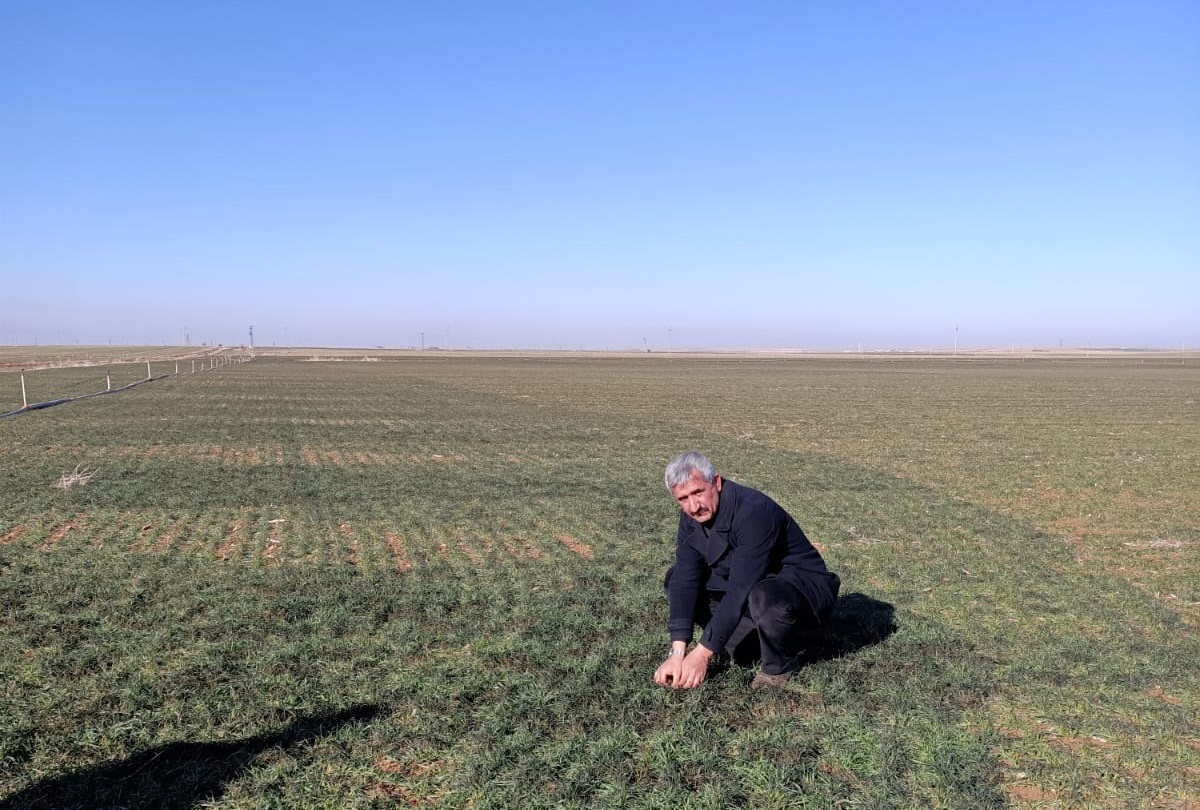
684	671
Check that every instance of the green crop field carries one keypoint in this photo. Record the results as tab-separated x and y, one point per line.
434	580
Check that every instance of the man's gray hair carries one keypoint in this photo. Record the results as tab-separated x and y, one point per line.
681	468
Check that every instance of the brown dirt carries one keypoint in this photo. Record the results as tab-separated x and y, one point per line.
167	539
581	549
395	543
521	548
13	534
470	553
80	521
1158	694
235	538
1031	793
144	535
347	533
274	543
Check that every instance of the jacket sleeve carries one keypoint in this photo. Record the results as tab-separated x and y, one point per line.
683	589
755	536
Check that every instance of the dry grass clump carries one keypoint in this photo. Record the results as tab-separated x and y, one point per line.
79	477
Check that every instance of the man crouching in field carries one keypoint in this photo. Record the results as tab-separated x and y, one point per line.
746	573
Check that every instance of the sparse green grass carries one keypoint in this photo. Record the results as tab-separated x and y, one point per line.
470	551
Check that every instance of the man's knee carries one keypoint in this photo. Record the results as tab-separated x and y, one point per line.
774	601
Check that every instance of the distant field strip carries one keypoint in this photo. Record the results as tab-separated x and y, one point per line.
277	537
252	456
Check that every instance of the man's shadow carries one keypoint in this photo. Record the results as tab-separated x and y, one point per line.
858	621
176	776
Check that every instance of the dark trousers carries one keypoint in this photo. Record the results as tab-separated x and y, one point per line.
777	625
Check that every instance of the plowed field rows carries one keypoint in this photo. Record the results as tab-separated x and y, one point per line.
255	536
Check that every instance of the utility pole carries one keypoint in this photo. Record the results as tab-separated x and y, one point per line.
252	336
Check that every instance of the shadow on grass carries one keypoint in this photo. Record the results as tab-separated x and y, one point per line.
858	621
175	776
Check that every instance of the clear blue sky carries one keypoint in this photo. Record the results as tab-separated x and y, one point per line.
601	174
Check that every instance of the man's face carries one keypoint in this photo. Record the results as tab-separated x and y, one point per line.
698	498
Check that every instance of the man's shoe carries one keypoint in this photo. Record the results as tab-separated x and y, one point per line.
764	681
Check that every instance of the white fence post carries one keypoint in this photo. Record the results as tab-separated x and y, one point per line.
24	400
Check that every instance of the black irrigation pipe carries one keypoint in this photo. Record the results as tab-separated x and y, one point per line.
37	406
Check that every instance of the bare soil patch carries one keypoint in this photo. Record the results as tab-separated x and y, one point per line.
13	534
578	547
234	540
60	532
395	544
347	532
274	543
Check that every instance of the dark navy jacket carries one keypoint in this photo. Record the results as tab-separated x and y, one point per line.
751	537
